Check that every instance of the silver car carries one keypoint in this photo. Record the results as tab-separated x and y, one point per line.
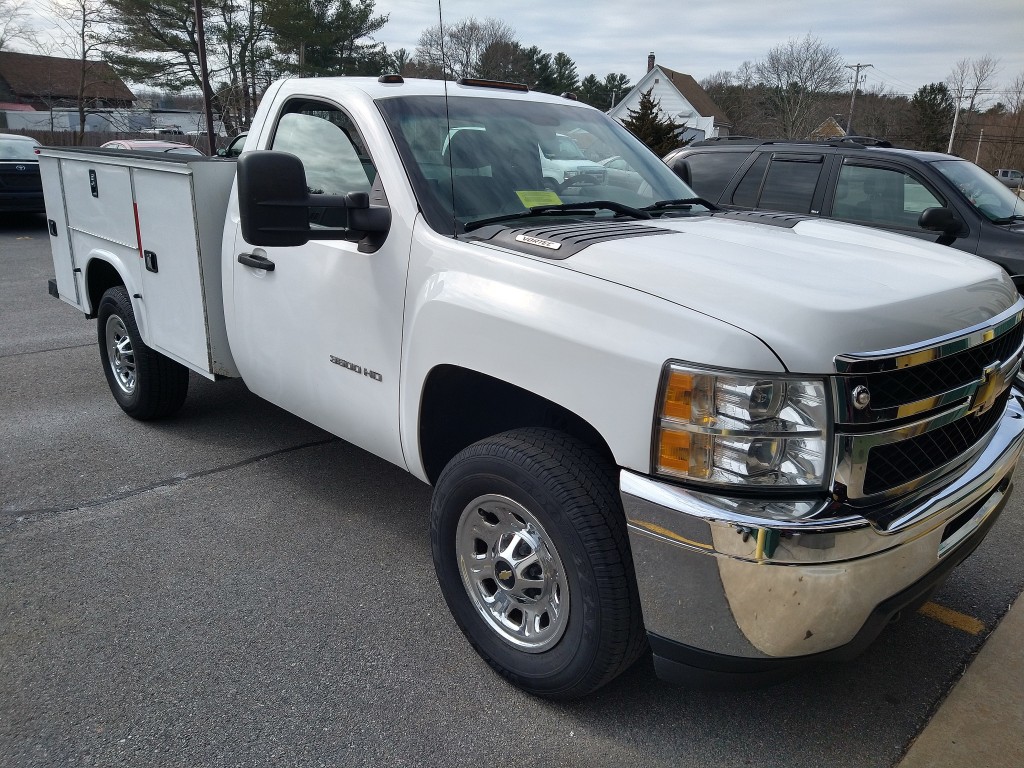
1011	178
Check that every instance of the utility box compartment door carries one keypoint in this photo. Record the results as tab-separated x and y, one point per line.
172	281
69	286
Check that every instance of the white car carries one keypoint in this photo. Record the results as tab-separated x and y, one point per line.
621	173
562	160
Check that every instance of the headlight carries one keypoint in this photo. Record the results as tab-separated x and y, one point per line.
728	428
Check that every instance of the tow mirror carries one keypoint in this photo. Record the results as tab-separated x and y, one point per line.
275	206
941	220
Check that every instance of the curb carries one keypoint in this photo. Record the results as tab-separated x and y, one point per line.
981	722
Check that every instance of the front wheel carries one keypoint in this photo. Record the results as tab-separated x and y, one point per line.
146	384
531	552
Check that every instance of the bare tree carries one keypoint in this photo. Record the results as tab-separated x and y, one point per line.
456	49
243	37
80	32
797	76
740	95
14	23
1012	151
968	82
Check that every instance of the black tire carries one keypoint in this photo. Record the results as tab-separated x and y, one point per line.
146	384
561	497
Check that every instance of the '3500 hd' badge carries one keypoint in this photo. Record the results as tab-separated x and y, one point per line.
356	368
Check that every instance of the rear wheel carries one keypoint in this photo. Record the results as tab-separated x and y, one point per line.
146	384
532	556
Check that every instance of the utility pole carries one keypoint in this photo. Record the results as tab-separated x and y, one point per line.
956	118
977	154
853	96
204	74
956	115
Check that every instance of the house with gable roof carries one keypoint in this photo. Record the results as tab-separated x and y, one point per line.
681	98
45	82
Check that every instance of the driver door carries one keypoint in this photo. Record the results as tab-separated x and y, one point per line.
319	332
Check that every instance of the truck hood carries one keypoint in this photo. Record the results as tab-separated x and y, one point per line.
810	291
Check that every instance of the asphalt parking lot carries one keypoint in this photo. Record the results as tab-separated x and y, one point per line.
235	587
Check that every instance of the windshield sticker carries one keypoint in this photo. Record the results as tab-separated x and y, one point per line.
531	198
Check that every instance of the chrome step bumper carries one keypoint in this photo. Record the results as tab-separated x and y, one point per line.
746	580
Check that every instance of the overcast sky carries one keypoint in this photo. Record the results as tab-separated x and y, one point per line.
909	42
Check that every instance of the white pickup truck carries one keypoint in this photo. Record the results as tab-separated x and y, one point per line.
744	440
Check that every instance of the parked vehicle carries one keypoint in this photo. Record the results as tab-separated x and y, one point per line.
750	439
166	130
621	174
235	147
1011	178
928	195
562	161
152	145
20	186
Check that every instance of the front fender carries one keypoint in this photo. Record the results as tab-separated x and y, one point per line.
590	345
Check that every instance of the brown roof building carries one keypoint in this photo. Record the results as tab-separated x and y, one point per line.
45	82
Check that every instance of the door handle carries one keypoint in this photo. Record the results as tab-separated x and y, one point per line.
255	261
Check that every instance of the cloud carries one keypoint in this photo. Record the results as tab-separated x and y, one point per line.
909	44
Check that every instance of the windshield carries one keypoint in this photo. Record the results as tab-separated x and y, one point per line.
18	149
985	192
487	157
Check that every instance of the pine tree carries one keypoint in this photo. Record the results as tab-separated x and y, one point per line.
653	128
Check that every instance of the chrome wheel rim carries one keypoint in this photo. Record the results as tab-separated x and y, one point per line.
512	573
120	354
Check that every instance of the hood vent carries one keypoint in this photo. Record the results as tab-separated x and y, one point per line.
560	241
786	220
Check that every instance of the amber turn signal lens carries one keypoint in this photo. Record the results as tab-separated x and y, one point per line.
678	396
684	453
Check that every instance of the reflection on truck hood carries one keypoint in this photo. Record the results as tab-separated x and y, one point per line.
812	291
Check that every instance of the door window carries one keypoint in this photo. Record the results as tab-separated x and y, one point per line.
710	172
746	191
884	197
332	151
789	184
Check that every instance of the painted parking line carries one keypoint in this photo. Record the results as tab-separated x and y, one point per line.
952	618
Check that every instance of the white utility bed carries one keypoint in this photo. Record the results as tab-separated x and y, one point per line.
157	219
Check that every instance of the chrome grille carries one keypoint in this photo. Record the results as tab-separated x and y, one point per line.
908	385
931	407
892	465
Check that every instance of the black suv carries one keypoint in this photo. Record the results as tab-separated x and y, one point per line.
929	195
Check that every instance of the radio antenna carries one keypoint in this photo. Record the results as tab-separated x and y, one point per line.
447	114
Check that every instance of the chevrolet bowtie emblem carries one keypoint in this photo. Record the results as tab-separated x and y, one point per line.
504	575
994	380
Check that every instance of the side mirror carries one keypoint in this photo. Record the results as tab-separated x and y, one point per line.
274	205
222	152
941	220
682	170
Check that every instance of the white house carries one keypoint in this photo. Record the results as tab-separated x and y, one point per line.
682	99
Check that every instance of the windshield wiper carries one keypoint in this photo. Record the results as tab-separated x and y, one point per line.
683	204
545	210
1009	219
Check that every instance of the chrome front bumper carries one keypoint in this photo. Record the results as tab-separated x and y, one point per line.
719	580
